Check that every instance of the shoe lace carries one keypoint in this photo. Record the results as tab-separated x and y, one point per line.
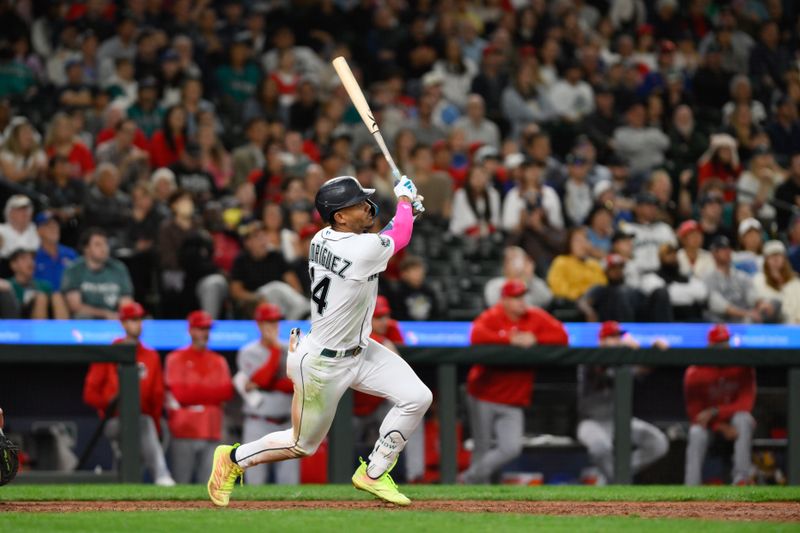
235	473
390	480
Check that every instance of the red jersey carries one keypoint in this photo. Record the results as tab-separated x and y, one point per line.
102	383
271	377
161	154
506	385
365	404
728	388
80	157
200	381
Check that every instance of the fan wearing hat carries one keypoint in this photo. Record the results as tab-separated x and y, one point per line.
648	232
198	383
719	402
596	411
749	259
732	296
101	391
191	176
267	393
498	396
777	282
693	260
18	231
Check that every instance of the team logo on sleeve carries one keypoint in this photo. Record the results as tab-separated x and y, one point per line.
384	241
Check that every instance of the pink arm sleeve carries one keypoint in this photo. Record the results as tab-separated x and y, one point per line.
400	227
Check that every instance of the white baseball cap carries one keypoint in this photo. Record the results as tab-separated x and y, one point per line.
749	224
773	247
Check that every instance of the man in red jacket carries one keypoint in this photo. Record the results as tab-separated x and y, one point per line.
198	382
497	396
101	389
719	400
267	393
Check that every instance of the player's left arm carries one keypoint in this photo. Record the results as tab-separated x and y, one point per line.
744	399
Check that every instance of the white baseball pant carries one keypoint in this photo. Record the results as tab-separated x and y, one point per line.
287	472
650	444
319	383
697	445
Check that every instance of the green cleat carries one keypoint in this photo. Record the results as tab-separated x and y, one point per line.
384	487
223	476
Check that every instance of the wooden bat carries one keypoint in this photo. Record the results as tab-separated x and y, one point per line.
358	99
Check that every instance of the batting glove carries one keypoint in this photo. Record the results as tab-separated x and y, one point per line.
405	187
416	206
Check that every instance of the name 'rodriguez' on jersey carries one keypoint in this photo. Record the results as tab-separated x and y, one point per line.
344	270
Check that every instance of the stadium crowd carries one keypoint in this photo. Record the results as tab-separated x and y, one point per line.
645	156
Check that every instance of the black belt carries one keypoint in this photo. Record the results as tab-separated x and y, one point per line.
282	420
336	354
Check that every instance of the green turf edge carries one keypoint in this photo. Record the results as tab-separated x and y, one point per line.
19	492
356	521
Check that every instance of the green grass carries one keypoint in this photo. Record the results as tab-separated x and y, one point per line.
354	521
18	492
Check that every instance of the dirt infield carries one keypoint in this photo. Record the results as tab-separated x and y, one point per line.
773	511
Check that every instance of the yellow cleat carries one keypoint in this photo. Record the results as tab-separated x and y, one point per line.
384	487
223	476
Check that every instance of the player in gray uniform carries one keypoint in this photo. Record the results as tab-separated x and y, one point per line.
345	261
596	412
267	393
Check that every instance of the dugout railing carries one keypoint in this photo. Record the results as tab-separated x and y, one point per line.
447	360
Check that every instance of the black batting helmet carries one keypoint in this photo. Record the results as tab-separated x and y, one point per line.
341	192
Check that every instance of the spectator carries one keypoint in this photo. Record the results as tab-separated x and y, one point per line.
96	285
749	259
719	401
778	283
525	101
600	230
22	160
540	240
413	298
711	82
789	192
576	192
601	123
62	140
793	241
436	186
574	273
52	258
732	297
101	391
648	232
250	155
693	260
145	111
476	207
490	81
596	412
163	183
141	234
476	126
76	93
497	396
719	165
688	295
518	266
192	177
300	264
278	236
168	143
422	125
769	60
198	383
741	92
35	299
238	78
531	190
265	104
18	231
686	142
572	98
261	274
132	162
267	393
107	207
784	130
185	252
304	111
641	146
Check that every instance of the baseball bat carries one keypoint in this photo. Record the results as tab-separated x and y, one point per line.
358	99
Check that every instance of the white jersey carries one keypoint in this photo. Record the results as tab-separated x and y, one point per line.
344	270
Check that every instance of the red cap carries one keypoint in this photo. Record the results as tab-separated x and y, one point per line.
199	319
130	311
719	333
267	313
513	288
611	328
687	227
308	231
613	260
381	307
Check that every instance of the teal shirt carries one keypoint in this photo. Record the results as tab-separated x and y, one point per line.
15	79
238	84
99	288
148	121
26	293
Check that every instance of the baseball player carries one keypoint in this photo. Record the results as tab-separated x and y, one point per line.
596	412
267	393
344	263
719	400
101	390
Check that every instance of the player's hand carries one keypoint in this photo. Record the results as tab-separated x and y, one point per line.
523	339
705	416
405	187
416	206
728	431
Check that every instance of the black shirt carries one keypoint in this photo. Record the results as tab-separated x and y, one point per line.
255	273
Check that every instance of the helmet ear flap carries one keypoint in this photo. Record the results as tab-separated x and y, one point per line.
373	207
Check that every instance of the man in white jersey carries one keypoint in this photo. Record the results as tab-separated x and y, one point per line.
344	263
